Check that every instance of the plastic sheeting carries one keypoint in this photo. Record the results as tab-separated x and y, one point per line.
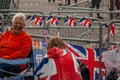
111	59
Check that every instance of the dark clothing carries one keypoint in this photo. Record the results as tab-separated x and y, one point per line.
10	68
113	4
50	0
69	2
75	1
113	75
84	70
95	3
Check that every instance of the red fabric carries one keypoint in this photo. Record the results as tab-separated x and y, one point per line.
14	46
91	61
55	53
65	65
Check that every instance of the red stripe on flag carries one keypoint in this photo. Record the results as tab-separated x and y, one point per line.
69	48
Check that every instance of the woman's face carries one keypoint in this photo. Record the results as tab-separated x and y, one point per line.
18	25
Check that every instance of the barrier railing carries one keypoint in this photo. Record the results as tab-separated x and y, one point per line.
23	11
78	8
26	12
86	13
81	2
2	23
67	8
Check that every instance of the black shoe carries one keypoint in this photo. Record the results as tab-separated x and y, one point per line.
66	5
60	4
100	17
118	17
48	0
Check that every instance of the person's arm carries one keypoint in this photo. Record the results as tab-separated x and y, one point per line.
23	51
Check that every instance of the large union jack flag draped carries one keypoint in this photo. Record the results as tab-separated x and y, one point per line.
53	20
87	55
50	69
86	22
90	57
69	21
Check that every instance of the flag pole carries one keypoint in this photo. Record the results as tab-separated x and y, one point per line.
100	49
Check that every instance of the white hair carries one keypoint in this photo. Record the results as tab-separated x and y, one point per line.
19	15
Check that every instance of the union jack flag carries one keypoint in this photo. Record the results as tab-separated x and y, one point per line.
53	20
31	18
90	57
49	68
37	20
112	28
86	22
106	25
28	17
70	21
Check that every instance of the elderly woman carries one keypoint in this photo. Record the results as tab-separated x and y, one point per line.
58	64
15	44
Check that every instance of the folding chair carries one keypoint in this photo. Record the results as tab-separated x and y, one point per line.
39	50
25	72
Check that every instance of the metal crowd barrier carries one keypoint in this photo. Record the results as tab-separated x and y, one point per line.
86	13
81	2
26	12
1	23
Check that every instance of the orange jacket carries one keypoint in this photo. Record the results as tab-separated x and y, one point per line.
14	46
